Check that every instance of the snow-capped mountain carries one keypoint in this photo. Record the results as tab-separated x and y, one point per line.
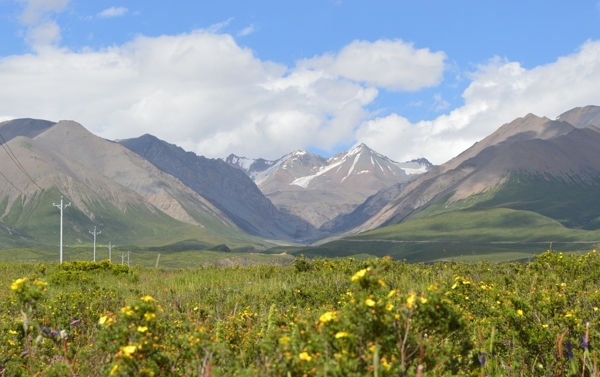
318	188
311	171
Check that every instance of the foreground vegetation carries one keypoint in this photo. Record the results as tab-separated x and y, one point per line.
374	317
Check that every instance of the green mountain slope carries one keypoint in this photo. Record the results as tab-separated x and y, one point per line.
123	195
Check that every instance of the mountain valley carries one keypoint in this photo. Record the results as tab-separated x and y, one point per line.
532	182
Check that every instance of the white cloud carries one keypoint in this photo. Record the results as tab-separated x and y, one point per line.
113	12
219	26
41	31
500	91
393	65
46	33
439	103
247	30
199	90
203	91
36	10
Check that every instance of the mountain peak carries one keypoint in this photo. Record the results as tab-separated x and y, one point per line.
581	116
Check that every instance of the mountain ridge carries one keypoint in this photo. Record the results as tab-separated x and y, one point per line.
318	189
227	188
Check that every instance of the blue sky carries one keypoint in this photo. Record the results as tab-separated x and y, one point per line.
262	78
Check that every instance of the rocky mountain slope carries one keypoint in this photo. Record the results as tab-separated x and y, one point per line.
319	189
550	167
23	127
108	185
227	188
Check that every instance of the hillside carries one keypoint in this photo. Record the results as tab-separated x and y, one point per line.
225	187
110	187
533	180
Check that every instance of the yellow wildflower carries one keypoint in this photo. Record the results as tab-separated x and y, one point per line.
327	316
128	350
149	316
423	300
519	312
127	310
17	283
102	320
40	283
389	306
284	339
369	302
12	332
386	366
147	298
304	356
114	369
142	328
341	334
410	300
360	274
392	292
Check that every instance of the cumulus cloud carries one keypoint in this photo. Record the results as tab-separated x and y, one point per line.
41	30
500	91
199	90
36	10
112	12
393	65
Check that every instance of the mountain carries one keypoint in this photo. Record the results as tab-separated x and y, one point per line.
111	187
23	127
225	187
364	211
534	165
582	116
319	189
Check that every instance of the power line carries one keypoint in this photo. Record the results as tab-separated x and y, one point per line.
12	184
14	158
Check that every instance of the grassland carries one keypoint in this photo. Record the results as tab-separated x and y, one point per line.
345	317
38	223
146	257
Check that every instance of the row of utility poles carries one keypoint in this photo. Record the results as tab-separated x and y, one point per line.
62	206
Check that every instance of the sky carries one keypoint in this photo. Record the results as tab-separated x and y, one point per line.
263	78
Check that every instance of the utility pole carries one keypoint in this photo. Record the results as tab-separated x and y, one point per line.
95	234
122	259
110	246
61	207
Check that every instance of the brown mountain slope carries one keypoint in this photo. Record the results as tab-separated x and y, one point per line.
469	173
582	116
318	189
68	142
226	187
50	170
23	127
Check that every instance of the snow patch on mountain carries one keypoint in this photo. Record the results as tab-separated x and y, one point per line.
304	181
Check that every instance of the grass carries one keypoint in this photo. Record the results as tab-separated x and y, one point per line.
38	224
322	318
481	225
145	258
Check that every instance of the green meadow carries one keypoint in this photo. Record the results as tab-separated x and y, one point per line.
321	317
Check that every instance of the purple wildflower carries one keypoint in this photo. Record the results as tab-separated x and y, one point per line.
74	322
584	342
569	349
482	358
